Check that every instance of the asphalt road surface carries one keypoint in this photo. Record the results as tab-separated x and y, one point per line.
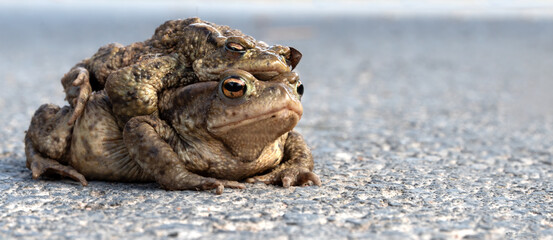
421	128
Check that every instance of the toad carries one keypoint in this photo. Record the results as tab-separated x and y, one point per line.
207	135
180	52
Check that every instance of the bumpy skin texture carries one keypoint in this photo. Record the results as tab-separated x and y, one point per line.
207	135
180	52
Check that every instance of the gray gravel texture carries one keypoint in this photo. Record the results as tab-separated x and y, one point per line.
421	128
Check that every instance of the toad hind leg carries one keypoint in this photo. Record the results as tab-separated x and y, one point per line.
40	165
76	85
47	141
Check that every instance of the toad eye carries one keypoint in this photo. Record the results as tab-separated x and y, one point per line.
234	87
235	47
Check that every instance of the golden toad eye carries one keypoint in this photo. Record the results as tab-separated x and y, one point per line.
234	87
235	47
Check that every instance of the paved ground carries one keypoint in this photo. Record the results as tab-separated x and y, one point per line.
422	128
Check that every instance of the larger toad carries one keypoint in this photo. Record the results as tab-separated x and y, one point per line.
207	135
179	53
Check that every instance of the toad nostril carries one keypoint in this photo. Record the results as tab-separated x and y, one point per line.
293	79
295	57
299	89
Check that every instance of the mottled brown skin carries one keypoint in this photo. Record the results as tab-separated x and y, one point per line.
204	137
180	52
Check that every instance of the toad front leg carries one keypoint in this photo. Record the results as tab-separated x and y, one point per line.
147	139
133	90
297	166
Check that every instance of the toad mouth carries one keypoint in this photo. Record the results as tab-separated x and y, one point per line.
249	120
260	75
265	75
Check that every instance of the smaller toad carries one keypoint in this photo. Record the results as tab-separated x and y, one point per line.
207	135
179	53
